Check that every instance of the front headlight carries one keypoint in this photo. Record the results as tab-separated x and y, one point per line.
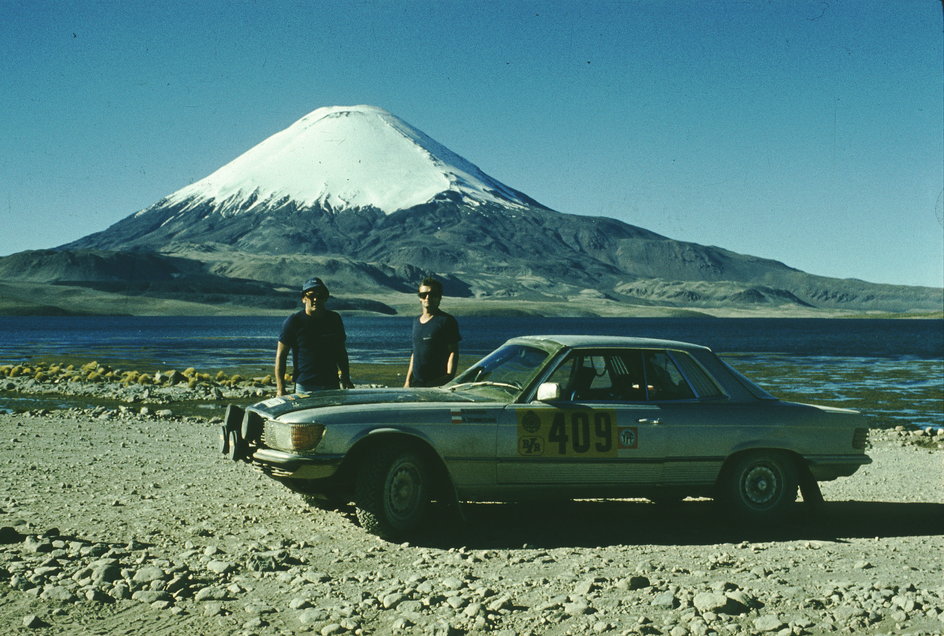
293	438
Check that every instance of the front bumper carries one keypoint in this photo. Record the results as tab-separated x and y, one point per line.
288	465
241	440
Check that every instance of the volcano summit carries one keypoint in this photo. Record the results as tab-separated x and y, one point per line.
359	196
347	157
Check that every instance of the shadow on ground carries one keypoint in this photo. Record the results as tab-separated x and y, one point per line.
605	523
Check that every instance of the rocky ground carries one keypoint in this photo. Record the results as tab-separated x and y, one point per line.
126	519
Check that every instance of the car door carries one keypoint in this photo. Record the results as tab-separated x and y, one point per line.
601	432
698	422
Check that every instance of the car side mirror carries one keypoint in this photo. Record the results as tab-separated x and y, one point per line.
549	392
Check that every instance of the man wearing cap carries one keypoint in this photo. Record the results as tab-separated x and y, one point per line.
316	338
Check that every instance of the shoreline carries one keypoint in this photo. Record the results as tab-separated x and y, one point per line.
539	310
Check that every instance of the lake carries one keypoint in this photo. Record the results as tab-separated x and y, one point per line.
891	369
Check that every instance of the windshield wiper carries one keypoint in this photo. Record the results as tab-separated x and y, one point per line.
504	385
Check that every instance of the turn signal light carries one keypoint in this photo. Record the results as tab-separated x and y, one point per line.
306	436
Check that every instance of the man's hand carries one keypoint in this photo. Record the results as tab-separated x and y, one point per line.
281	354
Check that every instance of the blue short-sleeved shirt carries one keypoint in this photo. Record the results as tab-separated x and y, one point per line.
432	343
316	342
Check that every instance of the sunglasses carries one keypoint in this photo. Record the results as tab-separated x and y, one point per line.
426	294
313	296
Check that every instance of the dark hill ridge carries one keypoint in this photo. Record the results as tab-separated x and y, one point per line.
485	252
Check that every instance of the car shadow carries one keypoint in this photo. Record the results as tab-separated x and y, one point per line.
606	523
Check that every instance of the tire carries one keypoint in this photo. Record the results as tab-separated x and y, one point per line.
760	485
392	492
235	446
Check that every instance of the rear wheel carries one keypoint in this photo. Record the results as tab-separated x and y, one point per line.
392	492
760	485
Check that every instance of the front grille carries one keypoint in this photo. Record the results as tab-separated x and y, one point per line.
265	439
273	471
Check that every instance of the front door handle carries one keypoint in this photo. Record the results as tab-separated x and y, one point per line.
646	420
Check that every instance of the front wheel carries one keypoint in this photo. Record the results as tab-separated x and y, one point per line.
760	485
392	492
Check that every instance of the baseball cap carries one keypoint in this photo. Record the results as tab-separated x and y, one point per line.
316	285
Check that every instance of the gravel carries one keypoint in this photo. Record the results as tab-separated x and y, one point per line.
114	521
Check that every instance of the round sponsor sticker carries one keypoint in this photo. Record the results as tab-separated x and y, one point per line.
531	422
627	437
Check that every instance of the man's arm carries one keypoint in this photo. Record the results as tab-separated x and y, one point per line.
452	362
409	374
281	353
344	366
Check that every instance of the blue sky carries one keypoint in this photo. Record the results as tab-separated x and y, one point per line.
810	132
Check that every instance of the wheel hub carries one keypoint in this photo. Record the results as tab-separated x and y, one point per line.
760	485
404	489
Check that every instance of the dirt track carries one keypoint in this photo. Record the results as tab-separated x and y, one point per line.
123	524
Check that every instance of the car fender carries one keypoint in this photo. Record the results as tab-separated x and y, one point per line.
408	432
770	445
366	440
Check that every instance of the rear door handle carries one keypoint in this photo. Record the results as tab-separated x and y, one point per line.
646	420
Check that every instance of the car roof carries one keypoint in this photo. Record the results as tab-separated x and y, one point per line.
592	341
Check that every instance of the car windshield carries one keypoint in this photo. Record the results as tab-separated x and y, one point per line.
511	365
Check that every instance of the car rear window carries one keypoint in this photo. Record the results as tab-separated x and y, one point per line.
704	385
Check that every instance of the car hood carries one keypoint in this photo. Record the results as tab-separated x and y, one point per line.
274	407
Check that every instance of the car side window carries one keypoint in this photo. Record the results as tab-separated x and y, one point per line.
629	378
621	376
601	376
583	377
664	380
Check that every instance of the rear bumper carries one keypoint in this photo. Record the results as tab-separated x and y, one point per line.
828	467
290	466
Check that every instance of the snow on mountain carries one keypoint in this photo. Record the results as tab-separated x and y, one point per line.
346	157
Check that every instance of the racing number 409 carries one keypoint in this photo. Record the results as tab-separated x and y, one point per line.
581	437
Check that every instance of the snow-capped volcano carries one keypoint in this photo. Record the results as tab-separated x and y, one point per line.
358	196
346	157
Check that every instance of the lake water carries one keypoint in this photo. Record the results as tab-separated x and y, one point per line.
891	369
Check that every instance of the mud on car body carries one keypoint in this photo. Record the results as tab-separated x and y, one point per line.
552	416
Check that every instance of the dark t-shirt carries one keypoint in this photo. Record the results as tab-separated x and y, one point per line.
316	342
431	345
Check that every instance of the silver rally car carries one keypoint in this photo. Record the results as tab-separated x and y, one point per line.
552	417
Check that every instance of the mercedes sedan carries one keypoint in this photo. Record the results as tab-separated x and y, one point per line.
552	417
